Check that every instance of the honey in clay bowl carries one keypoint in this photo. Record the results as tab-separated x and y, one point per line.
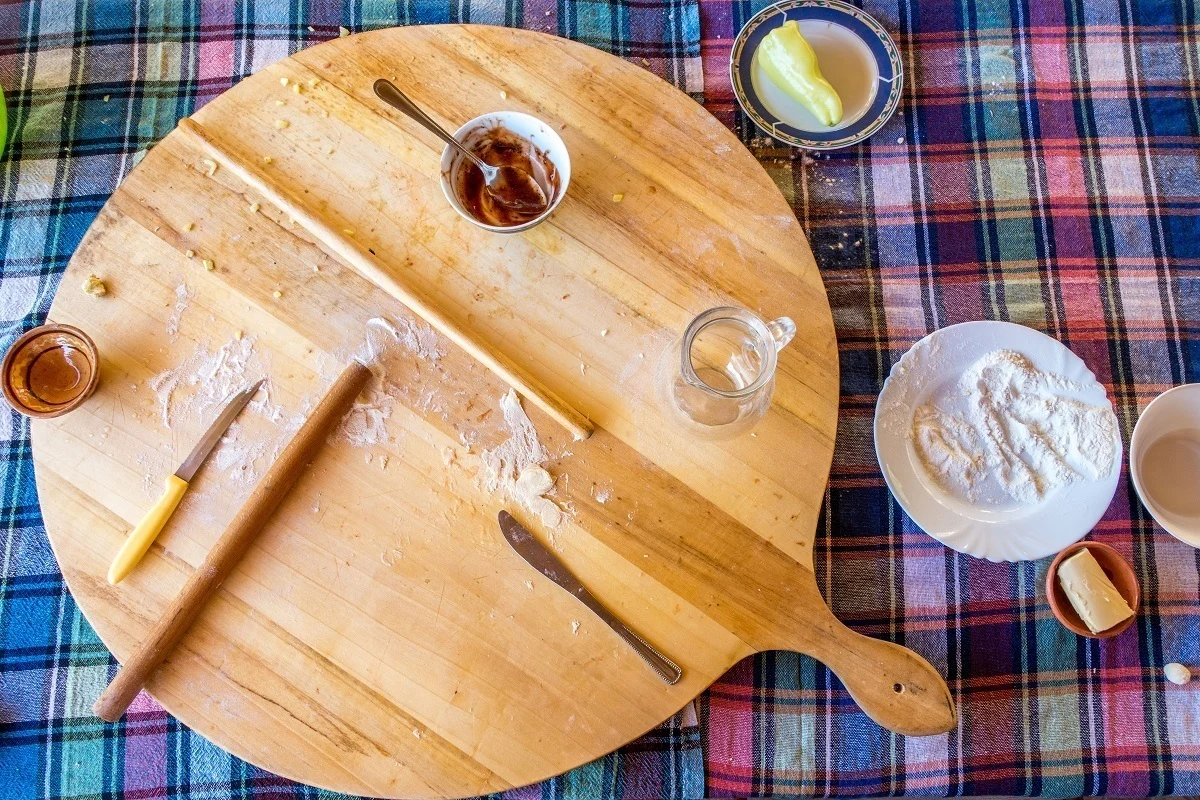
50	370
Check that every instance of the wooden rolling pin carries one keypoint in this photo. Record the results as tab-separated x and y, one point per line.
360	258
232	545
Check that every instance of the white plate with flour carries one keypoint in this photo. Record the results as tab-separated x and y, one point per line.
998	441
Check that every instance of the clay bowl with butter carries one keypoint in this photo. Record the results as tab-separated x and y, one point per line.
505	138
1118	570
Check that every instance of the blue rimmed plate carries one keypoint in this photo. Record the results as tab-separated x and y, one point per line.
856	55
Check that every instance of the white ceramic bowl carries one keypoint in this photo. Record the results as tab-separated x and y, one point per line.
543	137
1174	410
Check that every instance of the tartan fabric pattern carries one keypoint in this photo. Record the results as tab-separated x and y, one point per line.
90	86
1043	168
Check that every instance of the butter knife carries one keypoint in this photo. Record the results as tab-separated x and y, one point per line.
141	537
540	558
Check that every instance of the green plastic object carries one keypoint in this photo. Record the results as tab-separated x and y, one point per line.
790	63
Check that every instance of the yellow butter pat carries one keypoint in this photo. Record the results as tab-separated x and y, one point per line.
791	64
1092	594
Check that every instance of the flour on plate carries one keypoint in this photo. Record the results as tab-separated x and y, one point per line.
1007	431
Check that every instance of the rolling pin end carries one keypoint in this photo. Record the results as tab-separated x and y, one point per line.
103	713
112	703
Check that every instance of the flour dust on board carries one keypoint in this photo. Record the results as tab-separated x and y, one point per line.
514	467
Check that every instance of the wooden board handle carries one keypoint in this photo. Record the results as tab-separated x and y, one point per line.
893	685
232	545
360	258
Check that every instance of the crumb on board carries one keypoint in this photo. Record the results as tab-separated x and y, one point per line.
189	226
383	462
296	88
277	294
189	253
348	231
574	627
208	265
618	198
94	286
238	335
313	81
212	166
281	123
281	102
268	160
416	733
284	81
503	95
343	31
604	332
448	455
254	207
329	151
529	585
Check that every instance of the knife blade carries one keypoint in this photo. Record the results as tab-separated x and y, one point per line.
538	556
187	470
142	536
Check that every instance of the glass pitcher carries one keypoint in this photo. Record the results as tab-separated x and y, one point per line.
717	380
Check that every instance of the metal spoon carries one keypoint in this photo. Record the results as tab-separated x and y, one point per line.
512	187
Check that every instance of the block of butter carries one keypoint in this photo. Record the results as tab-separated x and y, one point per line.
1093	595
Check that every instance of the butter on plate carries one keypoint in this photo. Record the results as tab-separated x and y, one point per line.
1092	594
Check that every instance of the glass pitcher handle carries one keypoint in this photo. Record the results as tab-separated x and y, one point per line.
782	330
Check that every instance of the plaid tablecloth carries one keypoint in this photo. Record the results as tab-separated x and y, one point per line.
1044	168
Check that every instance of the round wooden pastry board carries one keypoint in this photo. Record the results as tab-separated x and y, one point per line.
381	638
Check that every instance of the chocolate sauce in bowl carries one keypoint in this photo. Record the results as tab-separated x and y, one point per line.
499	146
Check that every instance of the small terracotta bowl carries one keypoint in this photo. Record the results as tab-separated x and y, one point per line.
21	358
1118	570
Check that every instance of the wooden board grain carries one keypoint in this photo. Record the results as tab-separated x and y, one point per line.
381	638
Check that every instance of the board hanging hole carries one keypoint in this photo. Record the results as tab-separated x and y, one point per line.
898	688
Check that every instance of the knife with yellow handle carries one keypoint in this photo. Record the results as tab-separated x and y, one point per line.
141	537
